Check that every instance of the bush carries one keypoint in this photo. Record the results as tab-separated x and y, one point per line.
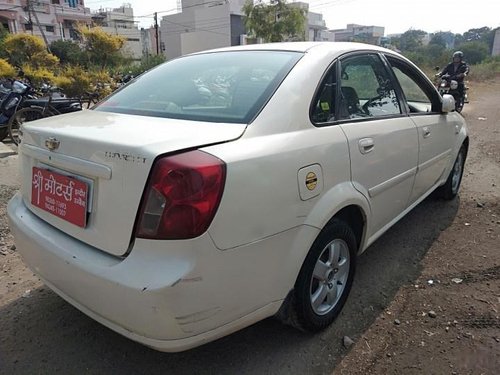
6	70
486	71
68	52
146	64
25	49
38	76
74	81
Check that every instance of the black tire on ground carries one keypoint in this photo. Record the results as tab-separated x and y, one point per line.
452	185
19	118
306	314
3	133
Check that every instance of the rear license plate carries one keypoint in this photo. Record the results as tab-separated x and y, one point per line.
63	196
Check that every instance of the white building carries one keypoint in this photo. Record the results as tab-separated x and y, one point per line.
120	21
54	19
315	26
369	34
202	24
496	44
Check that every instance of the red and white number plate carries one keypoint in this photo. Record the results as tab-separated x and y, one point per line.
63	196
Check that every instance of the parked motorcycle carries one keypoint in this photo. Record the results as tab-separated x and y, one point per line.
23	96
10	103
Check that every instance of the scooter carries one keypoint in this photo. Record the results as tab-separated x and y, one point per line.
10	103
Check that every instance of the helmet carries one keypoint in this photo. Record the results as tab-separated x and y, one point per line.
458	54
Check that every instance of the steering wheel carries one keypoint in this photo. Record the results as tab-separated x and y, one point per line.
369	103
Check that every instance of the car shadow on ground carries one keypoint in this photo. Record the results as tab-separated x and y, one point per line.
44	334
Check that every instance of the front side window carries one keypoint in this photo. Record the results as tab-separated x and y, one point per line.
229	87
366	89
418	95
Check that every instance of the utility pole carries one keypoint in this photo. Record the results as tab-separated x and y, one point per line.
156	34
31	10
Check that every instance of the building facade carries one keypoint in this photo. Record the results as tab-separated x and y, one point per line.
496	44
202	24
49	19
315	26
361	33
120	21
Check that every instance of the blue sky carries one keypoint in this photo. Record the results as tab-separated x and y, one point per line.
395	15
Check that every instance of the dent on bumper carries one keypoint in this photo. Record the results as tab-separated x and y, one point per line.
154	297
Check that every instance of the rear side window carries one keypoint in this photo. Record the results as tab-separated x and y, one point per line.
229	87
323	109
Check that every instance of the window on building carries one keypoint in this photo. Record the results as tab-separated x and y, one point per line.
56	1
28	26
50	29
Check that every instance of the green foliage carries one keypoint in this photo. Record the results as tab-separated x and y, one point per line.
487	70
28	49
146	64
6	70
411	40
38	75
274	22
102	49
482	34
475	52
438	40
3	33
68	52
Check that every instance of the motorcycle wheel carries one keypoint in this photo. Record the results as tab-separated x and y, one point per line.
19	118
3	133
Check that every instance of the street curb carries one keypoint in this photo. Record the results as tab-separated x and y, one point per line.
6	151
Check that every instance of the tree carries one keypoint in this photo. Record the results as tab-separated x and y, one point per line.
6	70
475	52
103	49
28	49
274	22
67	51
482	34
410	40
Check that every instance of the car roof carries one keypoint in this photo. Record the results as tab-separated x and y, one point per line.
333	47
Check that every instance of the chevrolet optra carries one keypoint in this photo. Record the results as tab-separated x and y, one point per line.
228	186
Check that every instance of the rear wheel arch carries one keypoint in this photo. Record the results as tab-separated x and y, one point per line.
355	217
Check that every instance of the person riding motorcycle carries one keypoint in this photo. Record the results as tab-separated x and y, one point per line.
457	70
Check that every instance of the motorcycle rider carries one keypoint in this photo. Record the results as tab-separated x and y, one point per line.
457	70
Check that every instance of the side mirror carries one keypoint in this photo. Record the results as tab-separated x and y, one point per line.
448	103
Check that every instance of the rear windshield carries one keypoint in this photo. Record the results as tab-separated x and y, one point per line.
216	87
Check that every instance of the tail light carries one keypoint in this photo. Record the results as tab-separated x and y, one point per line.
182	196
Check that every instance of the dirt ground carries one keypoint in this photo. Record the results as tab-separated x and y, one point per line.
426	298
460	278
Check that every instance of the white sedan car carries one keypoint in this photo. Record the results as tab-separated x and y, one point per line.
228	186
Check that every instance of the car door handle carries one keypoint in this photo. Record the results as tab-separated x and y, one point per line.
366	145
426	131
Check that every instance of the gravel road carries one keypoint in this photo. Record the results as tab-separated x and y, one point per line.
438	241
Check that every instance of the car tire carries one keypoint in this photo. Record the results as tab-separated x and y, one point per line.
325	279
452	185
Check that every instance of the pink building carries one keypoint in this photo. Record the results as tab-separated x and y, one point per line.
54	19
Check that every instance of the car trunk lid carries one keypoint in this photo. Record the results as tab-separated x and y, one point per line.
112	154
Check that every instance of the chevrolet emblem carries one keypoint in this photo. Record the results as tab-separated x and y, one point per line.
52	143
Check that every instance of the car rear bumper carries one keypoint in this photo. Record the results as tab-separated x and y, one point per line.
171	298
